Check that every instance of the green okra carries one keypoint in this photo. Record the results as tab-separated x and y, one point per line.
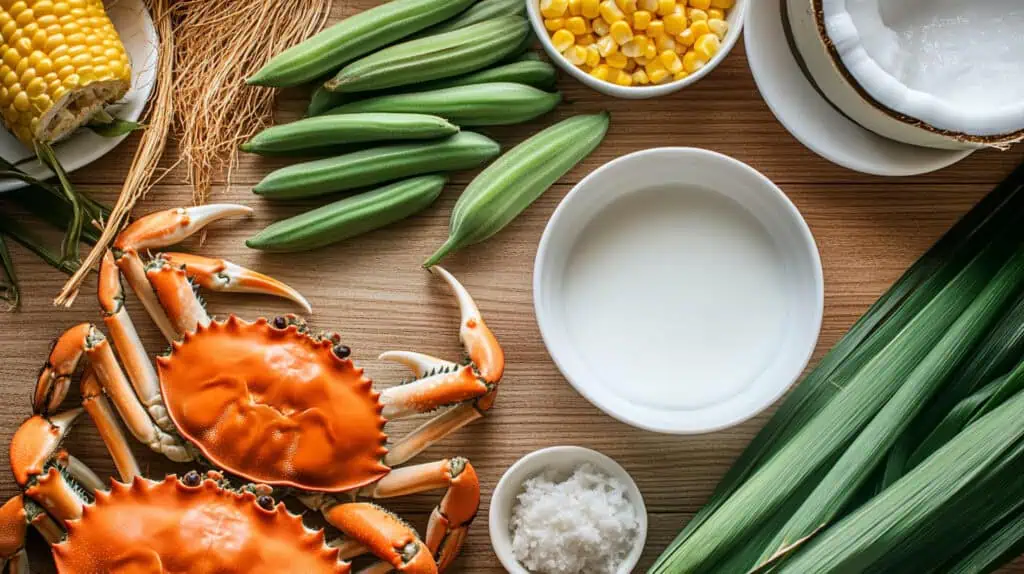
326	131
479	12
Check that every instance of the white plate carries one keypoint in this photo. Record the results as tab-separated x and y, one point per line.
133	23
562	459
812	119
678	290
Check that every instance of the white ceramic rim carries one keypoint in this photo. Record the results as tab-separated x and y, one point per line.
84	147
799	108
735	19
503	498
802	340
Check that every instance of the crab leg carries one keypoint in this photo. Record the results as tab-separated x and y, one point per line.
431	432
158	230
105	420
449	522
225	276
83	475
129	346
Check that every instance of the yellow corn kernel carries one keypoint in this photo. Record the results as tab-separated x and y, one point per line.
675	23
600	27
585	40
696	14
640	78
616	60
692	62
642	61
722	4
707	46
665	43
577	55
680	76
648	5
593	55
716	14
606	46
624	79
621	32
627	6
700	28
575	7
610	12
554	8
651	52
630	66
641	19
590	8
577	25
666	7
613	75
681	48
554	24
562	39
600	71
718	27
700	4
658	76
671	61
635	47
655	29
687	37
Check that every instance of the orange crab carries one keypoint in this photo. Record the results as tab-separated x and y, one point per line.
267	401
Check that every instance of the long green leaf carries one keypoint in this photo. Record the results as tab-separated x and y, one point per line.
16	231
841	419
869	334
869	534
862	457
9	293
1001	545
69	248
52	209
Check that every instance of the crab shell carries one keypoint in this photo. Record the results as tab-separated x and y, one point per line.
166	526
275	406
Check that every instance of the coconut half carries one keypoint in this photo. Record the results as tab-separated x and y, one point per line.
937	73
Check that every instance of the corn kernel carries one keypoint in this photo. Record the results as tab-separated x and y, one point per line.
692	63
600	27
621	32
716	14
671	61
718	27
700	28
600	71
675	23
642	61
593	56
627	6
648	5
700	4
655	29
723	4
666	7
590	8
577	25
585	40
640	78
680	76
554	24
575	7
624	79
696	14
577	55
641	19
613	75
562	39
553	8
616	60
630	65
651	52
707	46
687	37
658	76
665	43
606	46
634	48
610	12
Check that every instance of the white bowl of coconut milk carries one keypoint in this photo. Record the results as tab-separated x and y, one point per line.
679	290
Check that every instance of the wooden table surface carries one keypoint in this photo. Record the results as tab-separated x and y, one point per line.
373	291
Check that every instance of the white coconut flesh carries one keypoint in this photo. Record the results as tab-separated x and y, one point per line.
956	65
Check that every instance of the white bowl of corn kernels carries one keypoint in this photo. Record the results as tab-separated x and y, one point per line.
637	48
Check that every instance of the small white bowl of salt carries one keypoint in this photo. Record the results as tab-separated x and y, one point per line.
567	510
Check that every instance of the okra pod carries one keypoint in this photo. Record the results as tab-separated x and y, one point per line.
516	179
325	131
479	12
441	56
367	167
492	104
353	37
350	216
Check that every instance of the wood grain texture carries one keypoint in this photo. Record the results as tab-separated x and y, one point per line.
372	290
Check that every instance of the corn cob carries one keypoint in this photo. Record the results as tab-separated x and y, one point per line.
60	63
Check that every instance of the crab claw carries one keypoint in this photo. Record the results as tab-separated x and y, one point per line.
484	350
55	376
384	535
420	364
13	526
36	442
171	226
221	275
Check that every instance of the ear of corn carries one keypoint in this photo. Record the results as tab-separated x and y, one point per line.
61	63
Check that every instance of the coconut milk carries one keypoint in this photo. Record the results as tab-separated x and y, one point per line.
677	295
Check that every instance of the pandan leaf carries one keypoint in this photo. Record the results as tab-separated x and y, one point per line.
115	128
9	293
